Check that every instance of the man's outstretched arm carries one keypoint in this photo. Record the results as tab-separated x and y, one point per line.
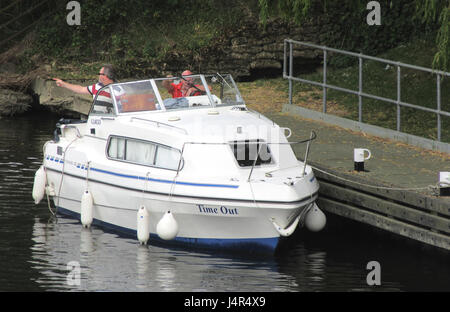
72	87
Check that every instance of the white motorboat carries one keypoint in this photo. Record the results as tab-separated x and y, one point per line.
200	170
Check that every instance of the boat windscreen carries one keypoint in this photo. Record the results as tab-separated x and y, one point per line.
225	89
198	90
135	96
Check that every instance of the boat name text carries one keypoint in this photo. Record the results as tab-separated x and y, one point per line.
218	210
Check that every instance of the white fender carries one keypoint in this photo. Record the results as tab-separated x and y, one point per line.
287	231
143	225
40	180
87	209
315	219
167	227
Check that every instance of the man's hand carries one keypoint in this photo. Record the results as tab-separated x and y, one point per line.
72	87
59	82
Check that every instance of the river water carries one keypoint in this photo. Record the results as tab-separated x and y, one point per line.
41	253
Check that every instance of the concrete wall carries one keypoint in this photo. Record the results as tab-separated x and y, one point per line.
59	99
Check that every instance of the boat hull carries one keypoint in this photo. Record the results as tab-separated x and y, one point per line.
204	222
247	245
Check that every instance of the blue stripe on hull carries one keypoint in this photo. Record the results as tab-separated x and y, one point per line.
128	176
247	245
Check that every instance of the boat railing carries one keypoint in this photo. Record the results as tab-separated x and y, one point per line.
158	124
312	137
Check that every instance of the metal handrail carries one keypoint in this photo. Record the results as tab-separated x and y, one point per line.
438	112
373	58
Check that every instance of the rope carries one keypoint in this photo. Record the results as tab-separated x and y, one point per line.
62	172
46	178
304	213
431	187
145	187
48	203
88	168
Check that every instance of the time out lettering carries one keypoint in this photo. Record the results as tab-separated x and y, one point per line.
219	211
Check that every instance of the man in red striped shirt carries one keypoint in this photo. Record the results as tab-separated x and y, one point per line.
106	76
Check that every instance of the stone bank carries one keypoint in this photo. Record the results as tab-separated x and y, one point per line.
252	49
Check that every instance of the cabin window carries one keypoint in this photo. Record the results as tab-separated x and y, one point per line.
167	157
143	153
116	148
246	151
140	152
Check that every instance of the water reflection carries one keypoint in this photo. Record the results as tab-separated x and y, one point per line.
142	265
316	262
112	263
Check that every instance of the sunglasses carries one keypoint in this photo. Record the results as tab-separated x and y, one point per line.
102	74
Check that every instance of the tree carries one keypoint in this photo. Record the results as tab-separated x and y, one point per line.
437	11
427	12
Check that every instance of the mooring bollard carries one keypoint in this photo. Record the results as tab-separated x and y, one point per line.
444	183
358	157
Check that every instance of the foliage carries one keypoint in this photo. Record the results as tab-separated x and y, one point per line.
135	35
437	11
141	35
400	20
442	57
296	9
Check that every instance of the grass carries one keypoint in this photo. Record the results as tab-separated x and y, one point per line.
417	87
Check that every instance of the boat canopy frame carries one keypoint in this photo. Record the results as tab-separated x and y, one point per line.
151	95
